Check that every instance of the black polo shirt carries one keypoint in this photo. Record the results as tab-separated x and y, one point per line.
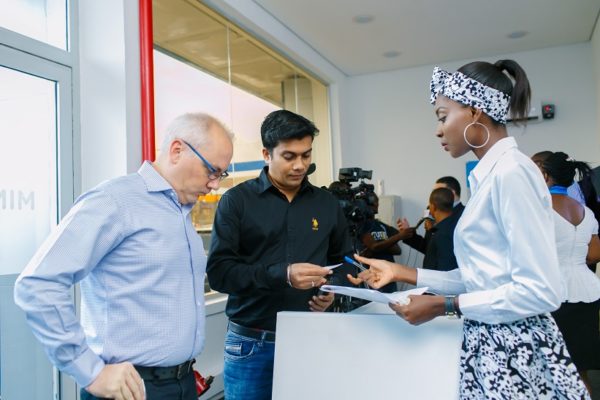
257	233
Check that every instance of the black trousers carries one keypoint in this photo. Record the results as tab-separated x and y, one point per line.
168	389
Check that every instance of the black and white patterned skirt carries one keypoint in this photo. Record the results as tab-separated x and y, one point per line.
525	359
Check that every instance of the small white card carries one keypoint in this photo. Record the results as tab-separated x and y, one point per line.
330	267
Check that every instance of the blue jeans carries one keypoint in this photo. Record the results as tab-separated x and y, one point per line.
248	372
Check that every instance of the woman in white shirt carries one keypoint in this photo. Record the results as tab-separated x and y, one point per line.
508	278
577	243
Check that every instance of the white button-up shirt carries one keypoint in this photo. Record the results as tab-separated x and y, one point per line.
504	243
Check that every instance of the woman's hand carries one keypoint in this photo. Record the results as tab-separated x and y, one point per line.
420	309
382	272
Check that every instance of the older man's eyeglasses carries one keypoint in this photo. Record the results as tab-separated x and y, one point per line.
213	172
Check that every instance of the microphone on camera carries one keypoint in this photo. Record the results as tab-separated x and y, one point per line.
311	168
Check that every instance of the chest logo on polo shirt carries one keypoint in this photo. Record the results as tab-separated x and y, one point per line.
315	224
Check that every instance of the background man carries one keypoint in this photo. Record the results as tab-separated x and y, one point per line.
131	244
419	242
271	237
450	182
439	254
380	240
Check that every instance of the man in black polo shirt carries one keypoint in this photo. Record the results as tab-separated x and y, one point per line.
271	238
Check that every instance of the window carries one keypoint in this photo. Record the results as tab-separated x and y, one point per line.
37	152
43	20
37	186
203	62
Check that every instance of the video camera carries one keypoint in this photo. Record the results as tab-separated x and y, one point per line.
356	201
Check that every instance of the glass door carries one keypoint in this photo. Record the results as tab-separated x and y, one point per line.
36	189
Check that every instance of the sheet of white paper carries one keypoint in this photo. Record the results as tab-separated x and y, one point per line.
373	295
333	266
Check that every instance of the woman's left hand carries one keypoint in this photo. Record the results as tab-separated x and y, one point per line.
420	309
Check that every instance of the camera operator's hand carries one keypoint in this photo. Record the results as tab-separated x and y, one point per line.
404	229
382	272
307	276
420	309
321	302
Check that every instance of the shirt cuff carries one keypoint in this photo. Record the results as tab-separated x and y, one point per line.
85	368
429	278
441	282
277	275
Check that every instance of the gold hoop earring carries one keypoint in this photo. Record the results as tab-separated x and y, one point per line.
486	130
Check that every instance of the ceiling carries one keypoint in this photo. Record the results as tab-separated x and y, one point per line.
430	31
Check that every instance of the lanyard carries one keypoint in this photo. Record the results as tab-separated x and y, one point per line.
558	190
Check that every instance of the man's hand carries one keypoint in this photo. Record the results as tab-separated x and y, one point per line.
118	381
420	309
307	276
321	302
404	229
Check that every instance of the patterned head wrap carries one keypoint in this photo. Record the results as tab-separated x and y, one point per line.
470	92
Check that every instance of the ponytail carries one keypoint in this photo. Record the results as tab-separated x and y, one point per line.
562	169
521	91
493	75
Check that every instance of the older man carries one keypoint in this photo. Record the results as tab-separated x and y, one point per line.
131	244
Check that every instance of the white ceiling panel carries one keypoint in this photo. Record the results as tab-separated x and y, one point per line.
430	31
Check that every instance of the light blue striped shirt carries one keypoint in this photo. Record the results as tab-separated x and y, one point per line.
141	265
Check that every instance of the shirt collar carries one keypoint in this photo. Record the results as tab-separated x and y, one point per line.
485	165
153	180
264	183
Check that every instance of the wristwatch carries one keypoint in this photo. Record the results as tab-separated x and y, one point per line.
450	309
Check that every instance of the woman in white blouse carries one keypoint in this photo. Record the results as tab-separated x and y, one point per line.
577	243
508	278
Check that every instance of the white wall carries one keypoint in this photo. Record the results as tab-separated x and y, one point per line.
109	69
389	123
595	43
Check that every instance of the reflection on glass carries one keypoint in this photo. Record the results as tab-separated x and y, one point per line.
43	20
203	213
197	48
28	210
180	87
28	191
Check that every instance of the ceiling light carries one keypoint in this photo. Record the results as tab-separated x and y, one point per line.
363	19
517	34
391	54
